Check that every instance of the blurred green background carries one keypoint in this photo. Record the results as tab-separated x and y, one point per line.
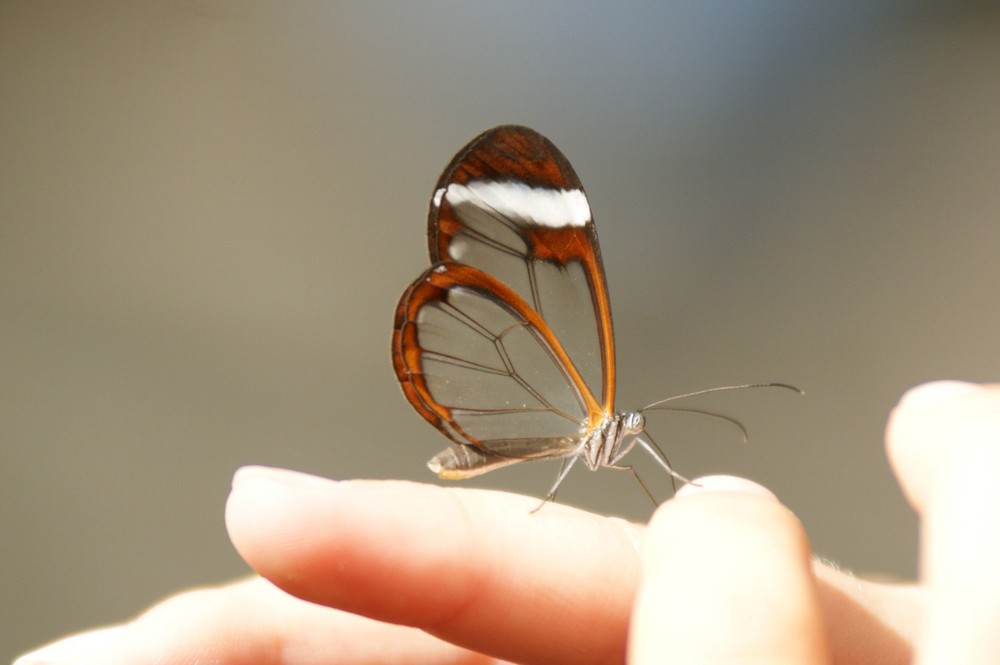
209	208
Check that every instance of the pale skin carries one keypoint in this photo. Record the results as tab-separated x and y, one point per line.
723	573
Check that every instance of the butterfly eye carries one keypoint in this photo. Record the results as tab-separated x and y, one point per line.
634	422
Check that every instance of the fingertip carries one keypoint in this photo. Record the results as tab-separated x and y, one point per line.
739	563
259	476
254	493
935	392
711	484
920	408
267	510
942	429
917	403
714	507
700	505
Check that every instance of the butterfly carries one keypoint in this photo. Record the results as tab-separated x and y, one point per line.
505	344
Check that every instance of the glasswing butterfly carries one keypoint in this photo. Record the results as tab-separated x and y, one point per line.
505	344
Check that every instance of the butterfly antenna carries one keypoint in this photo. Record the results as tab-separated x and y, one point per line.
719	389
710	414
659	406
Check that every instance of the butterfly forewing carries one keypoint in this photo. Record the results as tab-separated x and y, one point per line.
511	205
505	343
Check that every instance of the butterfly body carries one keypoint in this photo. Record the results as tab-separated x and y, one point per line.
603	447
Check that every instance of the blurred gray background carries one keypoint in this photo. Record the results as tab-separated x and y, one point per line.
209	208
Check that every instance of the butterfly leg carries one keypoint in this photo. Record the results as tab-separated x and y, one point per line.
656	453
564	468
635	474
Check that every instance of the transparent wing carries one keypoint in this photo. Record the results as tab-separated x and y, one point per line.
511	205
481	365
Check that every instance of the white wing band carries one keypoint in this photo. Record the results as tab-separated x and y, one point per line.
554	208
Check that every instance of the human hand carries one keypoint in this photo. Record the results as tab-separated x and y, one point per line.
741	591
424	574
472	571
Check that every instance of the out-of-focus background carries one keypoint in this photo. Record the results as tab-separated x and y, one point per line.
209	208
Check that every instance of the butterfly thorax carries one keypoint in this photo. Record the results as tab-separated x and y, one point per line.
609	442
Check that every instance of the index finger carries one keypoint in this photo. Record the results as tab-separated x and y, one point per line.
475	568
